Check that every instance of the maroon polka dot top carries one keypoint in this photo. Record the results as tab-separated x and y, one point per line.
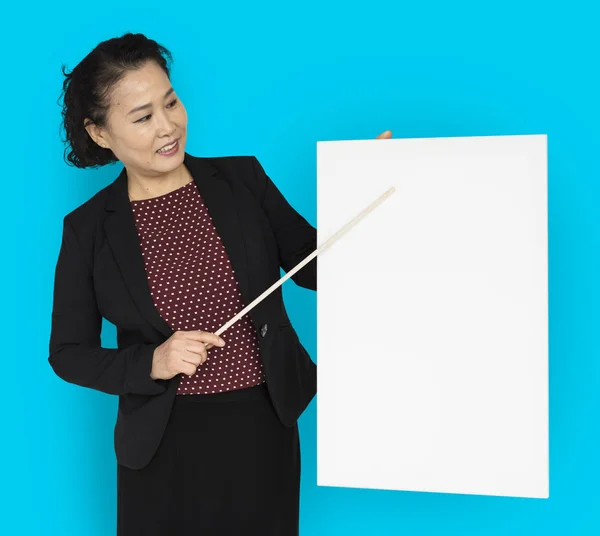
194	287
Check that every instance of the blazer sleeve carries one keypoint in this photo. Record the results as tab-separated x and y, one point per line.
295	237
75	351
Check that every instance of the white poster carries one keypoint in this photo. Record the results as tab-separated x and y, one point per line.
432	312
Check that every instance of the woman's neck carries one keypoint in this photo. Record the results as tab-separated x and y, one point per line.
141	188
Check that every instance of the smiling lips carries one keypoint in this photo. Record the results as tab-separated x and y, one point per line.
168	148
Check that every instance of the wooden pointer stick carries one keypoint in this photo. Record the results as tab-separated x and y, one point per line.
305	261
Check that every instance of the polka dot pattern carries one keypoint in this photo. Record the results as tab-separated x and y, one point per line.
193	287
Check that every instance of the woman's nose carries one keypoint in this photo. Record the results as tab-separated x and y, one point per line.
165	125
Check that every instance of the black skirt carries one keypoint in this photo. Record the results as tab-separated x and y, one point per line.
226	466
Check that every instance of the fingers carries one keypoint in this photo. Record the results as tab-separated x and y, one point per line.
192	359
196	345
189	369
384	135
198	351
204	336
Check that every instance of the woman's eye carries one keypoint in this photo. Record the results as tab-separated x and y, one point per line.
146	117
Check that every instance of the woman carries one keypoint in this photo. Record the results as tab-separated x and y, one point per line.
206	436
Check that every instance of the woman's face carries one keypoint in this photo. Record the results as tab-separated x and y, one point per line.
144	116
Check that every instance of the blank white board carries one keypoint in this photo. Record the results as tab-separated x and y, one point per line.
432	316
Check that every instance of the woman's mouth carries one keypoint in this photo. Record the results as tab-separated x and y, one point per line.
169	150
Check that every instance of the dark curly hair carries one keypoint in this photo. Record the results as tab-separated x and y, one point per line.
87	90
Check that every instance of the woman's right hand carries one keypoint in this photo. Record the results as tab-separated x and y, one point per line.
182	352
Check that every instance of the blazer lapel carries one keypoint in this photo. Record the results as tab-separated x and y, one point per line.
219	198
122	235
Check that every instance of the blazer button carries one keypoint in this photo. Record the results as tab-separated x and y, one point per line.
263	330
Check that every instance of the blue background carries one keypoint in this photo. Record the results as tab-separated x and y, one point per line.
271	79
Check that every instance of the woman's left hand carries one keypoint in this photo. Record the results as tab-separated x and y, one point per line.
384	135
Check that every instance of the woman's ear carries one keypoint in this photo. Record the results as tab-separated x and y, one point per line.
95	133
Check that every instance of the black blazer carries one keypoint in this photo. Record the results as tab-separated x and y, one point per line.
100	273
